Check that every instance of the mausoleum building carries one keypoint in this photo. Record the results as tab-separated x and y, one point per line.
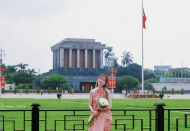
80	61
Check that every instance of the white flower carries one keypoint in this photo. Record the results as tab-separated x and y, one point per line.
102	102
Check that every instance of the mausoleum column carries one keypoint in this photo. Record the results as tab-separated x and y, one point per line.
78	58
58	58
101	58
86	56
93	58
54	59
70	58
61	57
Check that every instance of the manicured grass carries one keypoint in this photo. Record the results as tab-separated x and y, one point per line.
10	103
65	104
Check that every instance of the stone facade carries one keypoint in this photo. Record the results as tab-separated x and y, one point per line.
169	86
78	53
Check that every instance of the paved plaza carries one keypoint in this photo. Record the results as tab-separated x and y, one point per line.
52	95
79	96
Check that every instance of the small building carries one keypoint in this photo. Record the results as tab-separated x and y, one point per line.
162	67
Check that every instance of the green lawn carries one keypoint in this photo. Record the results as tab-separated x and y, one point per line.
65	104
10	103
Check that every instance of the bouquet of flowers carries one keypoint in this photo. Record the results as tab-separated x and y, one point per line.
103	103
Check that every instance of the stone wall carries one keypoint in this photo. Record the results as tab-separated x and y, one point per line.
169	86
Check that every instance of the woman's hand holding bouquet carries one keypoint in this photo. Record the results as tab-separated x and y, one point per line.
103	105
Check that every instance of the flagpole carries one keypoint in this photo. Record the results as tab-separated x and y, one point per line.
142	53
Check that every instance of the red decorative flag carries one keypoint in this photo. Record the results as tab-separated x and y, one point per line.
112	82
144	20
2	69
3	81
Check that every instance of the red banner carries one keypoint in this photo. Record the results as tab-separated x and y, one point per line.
112	71
2	69
112	82
2	81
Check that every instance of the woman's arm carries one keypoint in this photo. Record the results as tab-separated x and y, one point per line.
109	98
90	103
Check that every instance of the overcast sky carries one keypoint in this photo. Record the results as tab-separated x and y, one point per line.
28	29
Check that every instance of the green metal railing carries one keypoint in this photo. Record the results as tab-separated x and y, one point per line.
138	119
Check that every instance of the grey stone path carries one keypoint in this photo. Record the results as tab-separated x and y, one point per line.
52	95
79	96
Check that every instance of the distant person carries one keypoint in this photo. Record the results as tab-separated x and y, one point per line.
20	91
41	92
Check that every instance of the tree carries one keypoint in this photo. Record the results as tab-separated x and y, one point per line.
151	80
19	74
21	67
134	70
22	77
131	70
54	80
147	84
130	81
31	71
127	58
116	65
148	73
49	90
108	51
10	69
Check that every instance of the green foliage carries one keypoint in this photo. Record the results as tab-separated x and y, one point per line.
59	96
22	77
49	89
131	70
22	67
148	73
60	90
26	89
71	85
164	89
147	84
127	58
3	90
182	90
153	90
130	81
151	80
71	89
23	86
15	89
66	87
161	95
108	51
38	89
125	87
54	80
19	74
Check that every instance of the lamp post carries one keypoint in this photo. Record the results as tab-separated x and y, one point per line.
2	55
111	62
